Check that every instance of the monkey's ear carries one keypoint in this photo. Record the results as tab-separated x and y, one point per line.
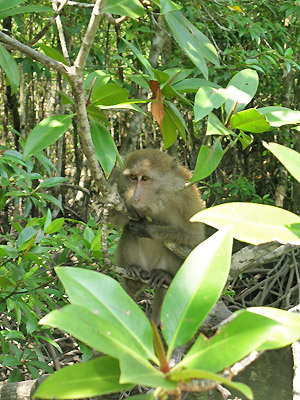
126	172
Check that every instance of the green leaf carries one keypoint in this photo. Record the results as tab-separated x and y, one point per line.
168	128
142	59
5	5
46	133
66	99
105	148
25	235
234	341
286	330
288	157
105	296
207	98
207	161
250	121
278	116
109	94
168	5
107	335
93	378
50	182
189	374
194	290
56	55
25	10
192	85
52	200
143	373
196	45
8	64
241	90
216	127
102	78
254	223
130	8
55	226
177	119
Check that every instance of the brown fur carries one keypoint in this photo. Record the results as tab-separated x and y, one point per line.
160	208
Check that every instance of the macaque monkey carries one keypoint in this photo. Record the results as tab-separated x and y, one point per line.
159	209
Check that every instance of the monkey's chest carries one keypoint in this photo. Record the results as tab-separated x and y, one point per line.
151	255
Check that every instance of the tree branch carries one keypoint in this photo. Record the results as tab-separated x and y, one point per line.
89	35
35	55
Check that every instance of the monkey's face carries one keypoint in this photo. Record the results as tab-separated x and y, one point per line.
138	190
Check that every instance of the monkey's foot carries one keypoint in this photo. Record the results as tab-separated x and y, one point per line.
159	277
137	273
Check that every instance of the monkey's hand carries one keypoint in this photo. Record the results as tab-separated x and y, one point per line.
141	228
133	213
159	277
137	273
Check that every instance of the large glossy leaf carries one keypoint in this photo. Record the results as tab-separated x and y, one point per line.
109	94
46	133
108	337
195	289
288	157
241	89
278	116
286	330
254	223
9	66
93	378
250	121
207	161
105	148
130	8
104	295
196	45
189	374
259	328
206	99
234	341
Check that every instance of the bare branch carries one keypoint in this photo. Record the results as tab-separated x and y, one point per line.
116	21
61	34
78	4
35	55
254	256
89	35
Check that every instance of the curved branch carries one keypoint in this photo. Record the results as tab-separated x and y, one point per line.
89	35
35	55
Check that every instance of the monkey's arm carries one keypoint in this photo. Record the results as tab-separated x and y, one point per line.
188	235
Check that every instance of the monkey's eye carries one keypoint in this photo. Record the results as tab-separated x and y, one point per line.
145	178
133	177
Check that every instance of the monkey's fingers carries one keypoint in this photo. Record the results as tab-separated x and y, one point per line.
159	277
140	229
137	273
